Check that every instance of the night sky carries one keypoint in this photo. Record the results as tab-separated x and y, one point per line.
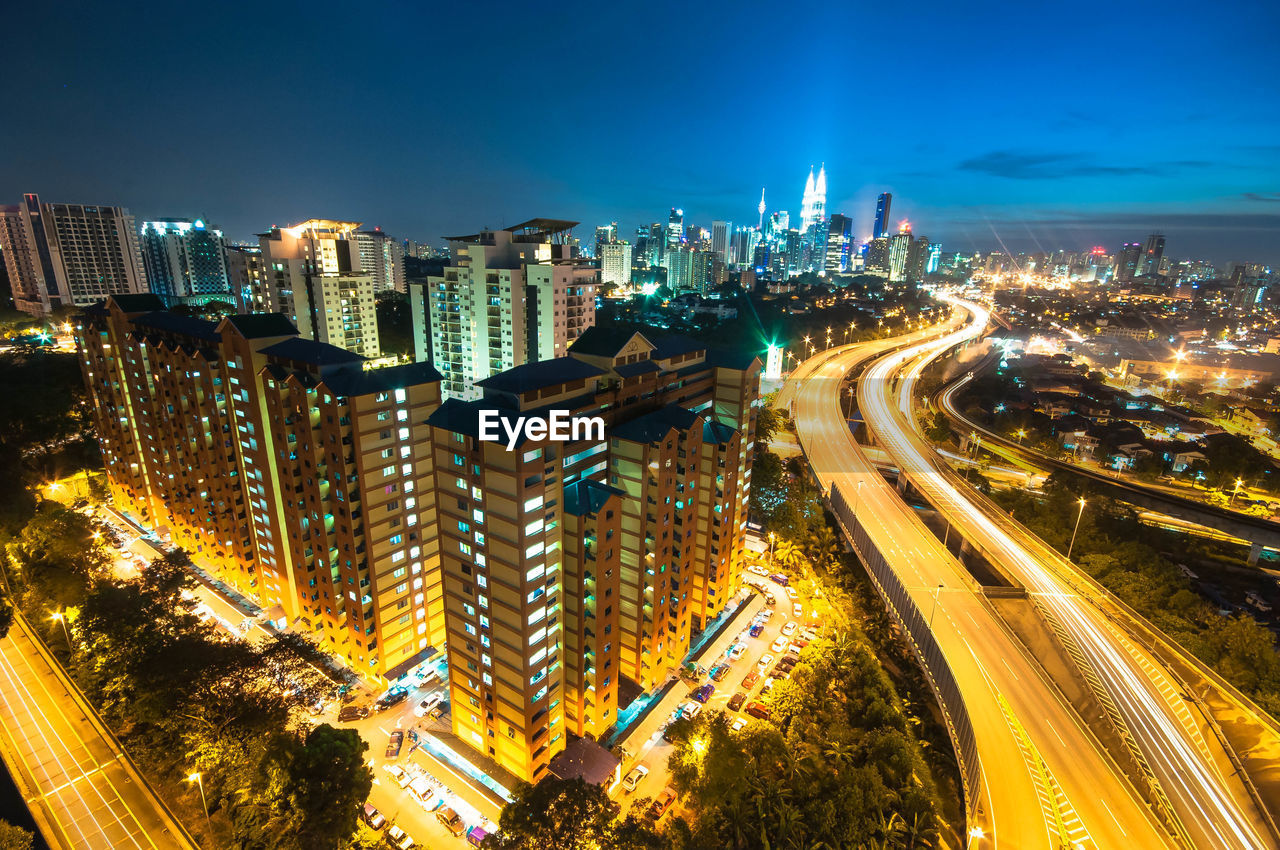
997	123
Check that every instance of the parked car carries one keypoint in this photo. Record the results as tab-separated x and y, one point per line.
797	610
749	680
662	803
791	593
350	713
779	643
789	628
780	579
421	788
704	693
394	743
756	630
632	779
770	599
757	569
398	838
690	709
451	820
736	701
476	836
756	709
738	723
735	651
395	696
766	688
764	662
778	673
763	617
424	707
372	817
399	774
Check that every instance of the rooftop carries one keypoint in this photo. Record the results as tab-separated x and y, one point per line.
299	350
536	376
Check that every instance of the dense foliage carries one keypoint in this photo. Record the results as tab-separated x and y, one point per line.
568	814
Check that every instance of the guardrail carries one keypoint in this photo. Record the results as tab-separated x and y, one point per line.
916	626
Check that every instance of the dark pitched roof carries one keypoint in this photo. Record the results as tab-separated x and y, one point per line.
675	345
462	417
727	358
604	342
355	382
535	376
257	325
311	352
163	320
630	370
717	432
586	497
584	758
654	426
141	302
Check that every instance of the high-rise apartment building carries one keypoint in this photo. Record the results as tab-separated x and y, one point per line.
65	255
881	228
314	277
382	258
605	234
878	255
568	565
282	465
900	254
246	279
675	228
839	238
1152	254
186	262
615	263
511	297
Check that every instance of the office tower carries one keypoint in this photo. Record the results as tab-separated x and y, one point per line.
605	234
720	233
679	266
933	259
917	258
744	242
790	254
68	255
900	254
315	279
702	271
539	633
281	465
185	262
512	296
1152	254
883	202
246	279
615	263
675	228
839	238
382	258
878	254
1127	261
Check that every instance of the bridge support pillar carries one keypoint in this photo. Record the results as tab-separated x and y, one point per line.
903	484
1255	550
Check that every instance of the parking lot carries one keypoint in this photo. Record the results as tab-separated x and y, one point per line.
742	660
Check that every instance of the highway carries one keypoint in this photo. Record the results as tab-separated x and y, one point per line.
1207	798
1045	782
73	776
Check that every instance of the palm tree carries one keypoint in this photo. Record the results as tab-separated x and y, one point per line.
787	553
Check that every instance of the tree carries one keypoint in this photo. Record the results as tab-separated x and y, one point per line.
769	422
15	837
315	788
568	814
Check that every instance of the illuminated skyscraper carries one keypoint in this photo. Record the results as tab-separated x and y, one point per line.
675	227
185	262
1127	261
382	258
883	203
1152	254
605	234
839	237
900	254
65	255
720	231
615	263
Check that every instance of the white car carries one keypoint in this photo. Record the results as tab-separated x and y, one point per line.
765	661
735	651
423	708
757	569
789	628
690	709
779	644
398	838
763	616
421	788
791	592
399	774
797	610
738	723
634	778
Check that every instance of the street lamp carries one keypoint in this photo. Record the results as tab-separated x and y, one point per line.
771	536
57	615
1072	545
198	780
1022	432
1232	500
936	593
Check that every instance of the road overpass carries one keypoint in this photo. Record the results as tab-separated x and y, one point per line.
1191	777
83	791
1034	776
1259	532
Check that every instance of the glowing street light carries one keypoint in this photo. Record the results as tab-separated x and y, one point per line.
1022	432
1074	530
58	615
1239	484
198	780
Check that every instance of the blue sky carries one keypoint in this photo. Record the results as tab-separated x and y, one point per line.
1063	126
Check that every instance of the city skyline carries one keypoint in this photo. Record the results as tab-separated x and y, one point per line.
1023	167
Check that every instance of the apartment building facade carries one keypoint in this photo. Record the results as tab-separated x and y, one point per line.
568	565
282	465
511	297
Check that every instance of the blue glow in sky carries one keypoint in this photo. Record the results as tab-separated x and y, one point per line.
1025	124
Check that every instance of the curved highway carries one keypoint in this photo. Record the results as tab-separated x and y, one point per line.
1045	783
1209	802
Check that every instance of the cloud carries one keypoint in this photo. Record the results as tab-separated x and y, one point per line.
1269	197
1016	165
